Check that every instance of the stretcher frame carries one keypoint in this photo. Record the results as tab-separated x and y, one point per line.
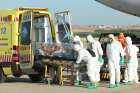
64	66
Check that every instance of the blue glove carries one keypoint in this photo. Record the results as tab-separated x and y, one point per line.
100	59
122	60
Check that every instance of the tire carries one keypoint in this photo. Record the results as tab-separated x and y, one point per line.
2	77
17	75
36	77
139	75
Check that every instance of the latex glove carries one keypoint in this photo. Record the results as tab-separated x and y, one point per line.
129	61
122	60
100	59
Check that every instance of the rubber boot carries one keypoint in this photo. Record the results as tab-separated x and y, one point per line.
98	84
117	84
90	86
94	85
129	82
111	86
77	83
125	82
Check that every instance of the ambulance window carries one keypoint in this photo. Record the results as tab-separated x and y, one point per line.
37	35
42	34
42	29
25	32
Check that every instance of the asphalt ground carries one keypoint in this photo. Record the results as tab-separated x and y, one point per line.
24	85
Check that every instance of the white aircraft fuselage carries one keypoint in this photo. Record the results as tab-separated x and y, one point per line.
128	6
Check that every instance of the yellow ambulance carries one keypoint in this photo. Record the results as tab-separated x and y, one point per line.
21	30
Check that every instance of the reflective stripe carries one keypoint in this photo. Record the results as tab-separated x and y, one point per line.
5	58
25	58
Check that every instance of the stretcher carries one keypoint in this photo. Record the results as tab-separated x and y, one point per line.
66	66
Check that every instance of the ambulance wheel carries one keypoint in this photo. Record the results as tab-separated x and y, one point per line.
139	75
2	77
16	75
36	77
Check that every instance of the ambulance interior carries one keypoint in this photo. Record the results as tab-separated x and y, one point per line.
41	28
36	31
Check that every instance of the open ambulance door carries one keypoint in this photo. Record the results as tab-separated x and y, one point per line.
64	32
25	49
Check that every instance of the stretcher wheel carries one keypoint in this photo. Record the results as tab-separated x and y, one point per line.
61	83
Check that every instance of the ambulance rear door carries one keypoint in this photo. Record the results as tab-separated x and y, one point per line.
25	49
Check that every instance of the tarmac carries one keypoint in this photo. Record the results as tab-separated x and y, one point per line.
24	85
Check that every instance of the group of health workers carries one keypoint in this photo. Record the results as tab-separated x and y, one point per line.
119	51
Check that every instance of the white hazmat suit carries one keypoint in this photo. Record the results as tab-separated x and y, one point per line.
97	49
77	40
84	55
114	50
132	61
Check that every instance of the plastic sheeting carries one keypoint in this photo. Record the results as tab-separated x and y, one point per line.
57	51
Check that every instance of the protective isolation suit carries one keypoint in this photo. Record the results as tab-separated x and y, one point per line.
97	49
132	61
121	39
114	50
77	40
84	55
